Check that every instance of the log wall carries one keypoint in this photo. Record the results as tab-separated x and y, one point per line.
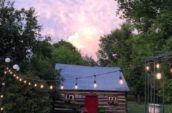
119	104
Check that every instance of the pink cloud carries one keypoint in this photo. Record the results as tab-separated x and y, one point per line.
80	22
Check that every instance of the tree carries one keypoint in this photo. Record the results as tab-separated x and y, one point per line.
153	20
19	31
64	52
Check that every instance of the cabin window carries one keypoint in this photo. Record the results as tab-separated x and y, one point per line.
112	100
69	97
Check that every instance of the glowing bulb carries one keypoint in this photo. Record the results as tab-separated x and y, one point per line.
7	68
171	70
5	72
157	65
25	81
14	75
29	83
2	96
20	79
147	68
76	86
159	76
3	83
95	84
17	77
42	86
2	108
51	87
121	82
62	87
35	85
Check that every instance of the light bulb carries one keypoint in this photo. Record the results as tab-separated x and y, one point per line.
95	85
121	82
62	87
3	83
76	86
35	85
14	75
42	86
29	83
158	75
25	81
147	68
17	77
2	108
2	96
20	79
5	72
171	70
51	87
157	65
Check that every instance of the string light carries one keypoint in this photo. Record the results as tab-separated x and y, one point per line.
95	83
14	75
171	70
121	82
157	65
20	79
29	83
62	87
158	75
5	72
2	96
3	83
51	87
17	77
25	81
42	86
35	85
2	109
147	68
76	84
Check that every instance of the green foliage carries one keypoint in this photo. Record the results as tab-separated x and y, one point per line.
66	53
19	30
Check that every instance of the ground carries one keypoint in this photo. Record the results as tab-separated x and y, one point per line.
134	107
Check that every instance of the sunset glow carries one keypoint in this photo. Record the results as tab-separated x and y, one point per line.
81	22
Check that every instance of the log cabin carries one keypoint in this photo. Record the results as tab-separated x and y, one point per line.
97	89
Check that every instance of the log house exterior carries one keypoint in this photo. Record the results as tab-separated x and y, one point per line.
110	94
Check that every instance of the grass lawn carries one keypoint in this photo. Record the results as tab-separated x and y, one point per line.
133	107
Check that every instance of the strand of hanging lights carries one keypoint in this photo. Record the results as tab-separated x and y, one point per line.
40	85
158	74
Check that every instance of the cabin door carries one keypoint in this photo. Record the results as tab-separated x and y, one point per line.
91	103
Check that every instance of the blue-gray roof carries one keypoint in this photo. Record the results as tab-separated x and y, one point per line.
107	77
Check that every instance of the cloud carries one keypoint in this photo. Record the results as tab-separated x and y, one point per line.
80	22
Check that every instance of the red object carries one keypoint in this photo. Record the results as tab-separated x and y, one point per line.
91	103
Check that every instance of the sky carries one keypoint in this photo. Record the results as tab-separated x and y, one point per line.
80	22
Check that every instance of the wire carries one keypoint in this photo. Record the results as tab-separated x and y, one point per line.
99	74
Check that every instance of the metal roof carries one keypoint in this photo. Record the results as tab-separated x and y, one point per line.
107	78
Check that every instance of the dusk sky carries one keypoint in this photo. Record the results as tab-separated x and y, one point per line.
81	22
